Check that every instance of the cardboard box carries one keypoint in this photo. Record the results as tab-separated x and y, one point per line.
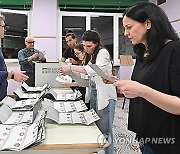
126	60
47	73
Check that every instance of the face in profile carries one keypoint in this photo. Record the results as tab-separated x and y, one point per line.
136	31
89	46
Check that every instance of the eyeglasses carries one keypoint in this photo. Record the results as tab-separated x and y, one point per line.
4	26
30	42
77	54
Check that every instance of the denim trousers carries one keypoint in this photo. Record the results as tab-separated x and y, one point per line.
106	118
147	150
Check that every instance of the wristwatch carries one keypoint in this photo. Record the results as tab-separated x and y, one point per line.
12	75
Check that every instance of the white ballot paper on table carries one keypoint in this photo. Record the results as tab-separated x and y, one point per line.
65	106
7	116
86	118
21	95
33	89
101	73
24	105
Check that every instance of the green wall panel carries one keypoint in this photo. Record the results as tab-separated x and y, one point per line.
74	4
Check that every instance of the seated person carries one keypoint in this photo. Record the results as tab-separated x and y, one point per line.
26	57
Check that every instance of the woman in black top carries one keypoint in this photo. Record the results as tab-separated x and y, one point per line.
154	90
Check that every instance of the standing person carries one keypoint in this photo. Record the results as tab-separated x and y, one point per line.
4	74
81	54
103	96
69	51
154	88
26	57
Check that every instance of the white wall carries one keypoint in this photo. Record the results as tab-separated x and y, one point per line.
171	7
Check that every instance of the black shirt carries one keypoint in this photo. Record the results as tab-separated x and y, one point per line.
69	53
147	120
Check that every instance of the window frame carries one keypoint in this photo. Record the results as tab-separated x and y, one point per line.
88	16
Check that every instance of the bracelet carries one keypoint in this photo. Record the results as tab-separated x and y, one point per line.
12	75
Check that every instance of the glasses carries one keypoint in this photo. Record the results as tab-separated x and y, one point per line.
77	54
4	26
30	42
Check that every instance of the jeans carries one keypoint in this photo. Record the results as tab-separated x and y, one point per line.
106	118
147	150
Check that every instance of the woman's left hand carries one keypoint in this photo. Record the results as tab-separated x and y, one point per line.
130	89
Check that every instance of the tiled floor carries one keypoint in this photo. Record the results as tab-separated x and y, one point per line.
123	139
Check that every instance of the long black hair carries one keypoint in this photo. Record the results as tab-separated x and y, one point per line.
93	36
161	29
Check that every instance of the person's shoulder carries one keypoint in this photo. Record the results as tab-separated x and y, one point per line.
103	51
22	50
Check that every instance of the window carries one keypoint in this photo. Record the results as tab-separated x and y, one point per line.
16	22
107	24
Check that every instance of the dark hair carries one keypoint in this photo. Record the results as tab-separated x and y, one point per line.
70	32
79	46
94	37
161	29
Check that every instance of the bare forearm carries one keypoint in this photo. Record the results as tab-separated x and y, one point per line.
166	102
79	69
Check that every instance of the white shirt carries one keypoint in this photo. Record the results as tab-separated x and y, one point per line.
104	91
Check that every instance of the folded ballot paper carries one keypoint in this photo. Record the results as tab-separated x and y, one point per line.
22	95
26	88
7	116
85	118
63	78
69	96
65	106
10	117
101	73
81	81
21	105
20	137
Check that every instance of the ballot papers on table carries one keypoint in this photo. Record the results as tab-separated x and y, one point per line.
26	88
85	118
22	136
67	96
101	73
22	95
24	105
7	116
65	106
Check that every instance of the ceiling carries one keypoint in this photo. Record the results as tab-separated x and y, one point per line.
89	5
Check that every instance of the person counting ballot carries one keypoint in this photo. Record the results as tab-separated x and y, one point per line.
103	96
154	88
27	57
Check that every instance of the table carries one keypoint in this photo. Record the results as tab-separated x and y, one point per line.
68	139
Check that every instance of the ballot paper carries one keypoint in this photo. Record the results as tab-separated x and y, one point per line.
82	82
7	116
21	95
65	106
63	78
85	118
101	73
20	137
26	88
69	96
24	105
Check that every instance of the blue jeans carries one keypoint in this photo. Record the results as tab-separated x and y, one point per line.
147	150
106	118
